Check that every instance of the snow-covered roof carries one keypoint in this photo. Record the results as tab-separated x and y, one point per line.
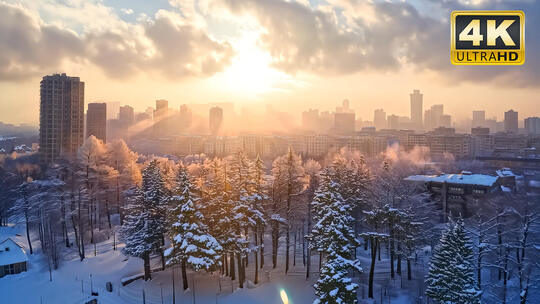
505	172
11	253
465	179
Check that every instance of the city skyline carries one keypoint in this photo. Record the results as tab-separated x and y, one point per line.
237	56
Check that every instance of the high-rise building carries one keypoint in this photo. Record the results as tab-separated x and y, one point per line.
344	123
479	119
344	107
532	125
416	108
186	117
511	121
113	109
432	117
61	117
126	116
96	121
310	120
215	120
393	122
445	121
160	117
379	119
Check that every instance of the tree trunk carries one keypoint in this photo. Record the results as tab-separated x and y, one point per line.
240	270
399	259
320	261
409	275
261	242
302	235
275	239
231	263
28	232
162	254
108	213
287	244
147	274
226	264
294	249
255	254
391	256
184	275
374	245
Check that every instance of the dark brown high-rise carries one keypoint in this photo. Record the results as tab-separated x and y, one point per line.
61	117
96	121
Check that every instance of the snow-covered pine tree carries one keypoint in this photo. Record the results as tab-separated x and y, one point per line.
136	231
191	244
144	226
333	223
258	213
289	182
451	277
333	234
334	285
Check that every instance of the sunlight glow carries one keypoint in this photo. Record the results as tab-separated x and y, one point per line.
284	296
250	72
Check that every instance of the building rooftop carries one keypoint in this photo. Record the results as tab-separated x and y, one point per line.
464	178
11	253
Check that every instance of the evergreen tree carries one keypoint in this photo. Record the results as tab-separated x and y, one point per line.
451	277
144	226
334	284
192	245
333	234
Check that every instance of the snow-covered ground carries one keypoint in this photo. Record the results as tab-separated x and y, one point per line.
73	281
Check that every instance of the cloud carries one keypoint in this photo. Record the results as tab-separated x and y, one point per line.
343	36
165	45
127	11
28	47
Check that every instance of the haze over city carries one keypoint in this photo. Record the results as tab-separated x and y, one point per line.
221	51
269	151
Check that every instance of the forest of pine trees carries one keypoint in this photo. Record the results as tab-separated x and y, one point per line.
215	215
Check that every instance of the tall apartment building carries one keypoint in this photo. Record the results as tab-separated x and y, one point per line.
344	123
96	121
445	121
532	125
479	119
432	117
393	122
310	120
511	121
416	108
215	120
379	119
61	117
161	114
126	116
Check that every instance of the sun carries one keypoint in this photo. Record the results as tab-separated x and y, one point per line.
250	73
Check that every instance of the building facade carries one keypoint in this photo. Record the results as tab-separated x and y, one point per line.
96	121
417	108
61	118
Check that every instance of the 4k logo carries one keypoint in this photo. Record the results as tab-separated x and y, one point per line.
487	37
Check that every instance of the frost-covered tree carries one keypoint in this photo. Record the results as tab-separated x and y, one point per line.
312	168
334	235
289	183
451	277
334	285
144	226
333	229
191	244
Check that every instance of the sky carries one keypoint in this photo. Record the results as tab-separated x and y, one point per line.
292	54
